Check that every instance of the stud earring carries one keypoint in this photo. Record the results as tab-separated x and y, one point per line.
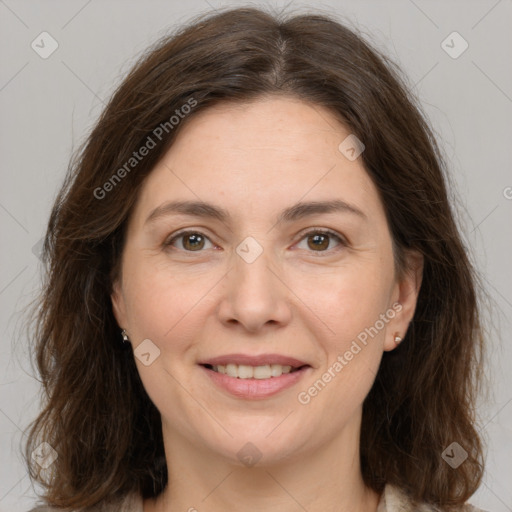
398	340
125	336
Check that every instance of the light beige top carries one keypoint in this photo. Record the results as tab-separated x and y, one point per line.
392	500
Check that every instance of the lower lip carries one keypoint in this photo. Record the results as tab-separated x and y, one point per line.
255	388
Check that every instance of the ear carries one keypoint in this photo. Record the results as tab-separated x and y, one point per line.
405	293
118	304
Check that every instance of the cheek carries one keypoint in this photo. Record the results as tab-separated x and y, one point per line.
157	302
349	300
362	302
161	308
352	308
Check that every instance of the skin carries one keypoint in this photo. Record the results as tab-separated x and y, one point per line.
295	299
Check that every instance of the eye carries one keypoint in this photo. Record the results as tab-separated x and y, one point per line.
193	241
319	239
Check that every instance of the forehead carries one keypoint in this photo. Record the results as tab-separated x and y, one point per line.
254	156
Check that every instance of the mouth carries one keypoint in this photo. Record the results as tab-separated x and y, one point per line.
244	371
251	377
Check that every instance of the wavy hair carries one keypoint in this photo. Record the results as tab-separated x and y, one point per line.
96	413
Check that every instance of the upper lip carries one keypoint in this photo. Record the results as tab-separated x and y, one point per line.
260	360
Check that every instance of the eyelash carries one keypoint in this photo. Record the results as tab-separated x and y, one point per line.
333	234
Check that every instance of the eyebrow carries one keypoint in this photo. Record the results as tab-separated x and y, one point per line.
293	213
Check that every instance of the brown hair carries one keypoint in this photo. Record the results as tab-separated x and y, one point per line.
97	415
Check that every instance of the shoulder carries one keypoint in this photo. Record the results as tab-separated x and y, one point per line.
130	503
395	500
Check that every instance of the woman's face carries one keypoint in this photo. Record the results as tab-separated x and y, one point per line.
255	287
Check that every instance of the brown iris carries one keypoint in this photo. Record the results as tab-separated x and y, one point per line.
318	237
197	241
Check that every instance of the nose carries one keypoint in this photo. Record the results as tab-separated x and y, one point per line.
255	295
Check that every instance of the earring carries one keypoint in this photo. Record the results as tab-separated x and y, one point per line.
397	339
125	336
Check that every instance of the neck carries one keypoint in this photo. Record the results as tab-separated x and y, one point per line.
325	478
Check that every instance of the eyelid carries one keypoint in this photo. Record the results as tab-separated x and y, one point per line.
320	230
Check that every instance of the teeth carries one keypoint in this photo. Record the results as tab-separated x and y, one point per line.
232	370
243	371
262	372
277	369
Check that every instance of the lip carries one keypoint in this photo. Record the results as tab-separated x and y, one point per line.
257	360
255	389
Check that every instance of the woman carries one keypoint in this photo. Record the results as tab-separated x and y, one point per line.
257	295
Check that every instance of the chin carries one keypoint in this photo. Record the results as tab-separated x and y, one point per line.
262	443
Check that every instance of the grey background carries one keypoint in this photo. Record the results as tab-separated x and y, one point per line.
49	105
